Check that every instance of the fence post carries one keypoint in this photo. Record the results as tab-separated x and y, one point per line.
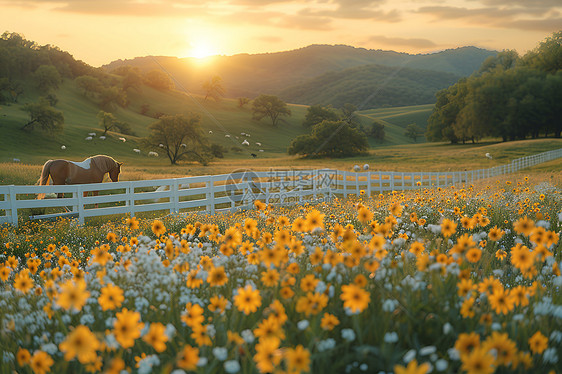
131	198
210	195
344	181
13	205
81	208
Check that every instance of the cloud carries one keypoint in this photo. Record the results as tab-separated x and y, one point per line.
269	39
510	18
404	42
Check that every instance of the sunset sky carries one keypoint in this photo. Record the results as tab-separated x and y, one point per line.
99	31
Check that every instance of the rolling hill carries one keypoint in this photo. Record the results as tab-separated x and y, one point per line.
273	73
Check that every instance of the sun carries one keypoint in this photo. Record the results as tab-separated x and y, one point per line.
202	50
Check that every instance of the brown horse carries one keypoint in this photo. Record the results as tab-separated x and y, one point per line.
91	170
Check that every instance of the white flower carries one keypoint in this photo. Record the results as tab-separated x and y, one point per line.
302	325
428	350
389	305
454	354
550	356
221	353
248	336
202	361
326	345
447	328
441	365
231	366
409	356
348	334
390	337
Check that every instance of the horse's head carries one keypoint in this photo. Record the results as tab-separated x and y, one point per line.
114	173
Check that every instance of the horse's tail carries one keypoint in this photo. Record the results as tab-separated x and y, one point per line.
44	180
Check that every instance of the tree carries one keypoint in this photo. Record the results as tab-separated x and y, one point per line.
213	88
269	106
377	131
348	114
111	96
91	86
158	79
132	80
412	132
330	139
547	56
47	77
242	101
181	138
318	113
44	116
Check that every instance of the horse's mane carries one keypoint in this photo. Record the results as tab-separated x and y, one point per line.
103	162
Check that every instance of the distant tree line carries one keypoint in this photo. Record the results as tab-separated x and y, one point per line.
511	97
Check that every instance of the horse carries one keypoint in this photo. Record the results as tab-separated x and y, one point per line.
91	170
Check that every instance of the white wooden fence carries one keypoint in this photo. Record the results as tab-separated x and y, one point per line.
229	192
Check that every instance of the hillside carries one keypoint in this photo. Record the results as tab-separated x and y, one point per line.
371	86
250	75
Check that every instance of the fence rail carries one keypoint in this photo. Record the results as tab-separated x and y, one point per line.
229	192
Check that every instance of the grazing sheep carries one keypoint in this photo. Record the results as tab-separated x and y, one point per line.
161	145
136	150
356	168
210	131
123	140
63	147
102	137
184	145
248	135
16	160
261	150
366	167
92	134
488	155
227	136
89	138
258	144
153	154
243	133
245	142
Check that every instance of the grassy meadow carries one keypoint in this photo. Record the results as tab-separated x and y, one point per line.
463	279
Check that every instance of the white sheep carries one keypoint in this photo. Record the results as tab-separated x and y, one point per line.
243	133
258	144
245	142
366	167
151	153
356	168
123	140
16	160
102	137
161	145
488	155
89	138
184	145
210	131
63	147
248	135
261	150
92	134
227	136
136	150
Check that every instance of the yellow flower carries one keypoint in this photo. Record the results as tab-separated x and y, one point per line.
127	327
270	278
188	358
217	303
193	315
412	368
479	361
5	272
82	344
355	298
364	215
72	295
110	297
158	228
495	234
269	328
473	255
247	300
466	343
156	337
314	219
501	301
298	359
538	343
448	227
23	356
329	321
41	362
133	223
22	281
524	226
201	335
217	277
268	355
505	348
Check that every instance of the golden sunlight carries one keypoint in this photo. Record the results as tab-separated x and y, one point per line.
202	49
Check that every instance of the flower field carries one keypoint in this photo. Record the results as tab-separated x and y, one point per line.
433	280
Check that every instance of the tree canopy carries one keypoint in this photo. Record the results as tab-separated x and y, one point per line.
330	139
43	116
269	106
510	97
180	137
